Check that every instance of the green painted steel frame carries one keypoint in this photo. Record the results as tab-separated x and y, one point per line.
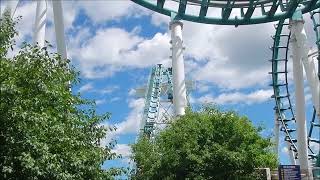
152	98
277	96
275	57
246	17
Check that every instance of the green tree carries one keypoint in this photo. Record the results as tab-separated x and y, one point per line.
209	144
46	132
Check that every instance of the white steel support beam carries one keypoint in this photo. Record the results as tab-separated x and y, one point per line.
309	67
179	86
296	27
40	23
59	28
312	78
10	5
276	132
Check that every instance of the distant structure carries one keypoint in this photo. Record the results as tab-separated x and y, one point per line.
159	109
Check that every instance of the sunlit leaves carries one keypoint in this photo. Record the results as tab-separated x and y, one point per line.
210	144
46	132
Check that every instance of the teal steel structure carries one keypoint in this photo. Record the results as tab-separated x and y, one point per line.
159	85
158	109
251	11
284	105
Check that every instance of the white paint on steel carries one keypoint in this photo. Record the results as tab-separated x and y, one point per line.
309	67
40	23
276	132
179	87
59	28
313	80
10	5
296	27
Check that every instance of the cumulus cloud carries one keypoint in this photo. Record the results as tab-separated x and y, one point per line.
122	149
131	124
100	101
99	58
255	97
85	88
102	11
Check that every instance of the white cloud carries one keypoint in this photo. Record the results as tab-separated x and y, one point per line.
255	97
131	124
103	91
108	90
100	101
99	58
102	11
122	149
85	88
132	92
229	57
285	149
202	87
115	99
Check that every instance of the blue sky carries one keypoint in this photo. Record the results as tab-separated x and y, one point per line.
115	43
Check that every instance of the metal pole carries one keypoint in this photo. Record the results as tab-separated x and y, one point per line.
179	87
313	82
296	26
12	6
59	28
276	132
40	23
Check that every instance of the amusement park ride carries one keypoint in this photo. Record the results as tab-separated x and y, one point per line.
290	40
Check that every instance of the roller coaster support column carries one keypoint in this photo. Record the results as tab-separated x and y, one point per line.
40	23
179	87
59	28
276	132
297	30
10	5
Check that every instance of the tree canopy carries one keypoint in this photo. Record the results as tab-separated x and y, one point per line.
46	132
210	144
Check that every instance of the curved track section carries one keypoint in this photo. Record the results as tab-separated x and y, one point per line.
284	107
220	11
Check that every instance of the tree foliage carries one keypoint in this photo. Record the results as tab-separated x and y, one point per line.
210	144
46	132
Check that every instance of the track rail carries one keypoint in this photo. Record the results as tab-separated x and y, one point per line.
159	77
284	107
251	11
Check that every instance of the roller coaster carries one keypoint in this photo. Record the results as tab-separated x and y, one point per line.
289	46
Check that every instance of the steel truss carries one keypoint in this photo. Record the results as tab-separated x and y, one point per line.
159	110
158	100
284	107
251	11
